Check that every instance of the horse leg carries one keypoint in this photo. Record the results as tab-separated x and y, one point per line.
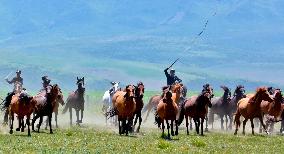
176	127
46	123
168	127
238	122
244	126
20	124
50	126
70	111
6	117
206	123
140	121
28	123
56	124
262	124
11	122
201	123
172	128
163	128
35	117
222	122
196	121
226	122
135	120
186	123
82	115
40	122
231	122
119	127
252	126
77	115
190	124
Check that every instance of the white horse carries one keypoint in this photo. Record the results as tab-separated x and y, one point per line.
107	99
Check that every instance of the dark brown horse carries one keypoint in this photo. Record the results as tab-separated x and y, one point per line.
22	107
45	104
76	100
60	100
196	107
219	107
239	93
139	93
250	108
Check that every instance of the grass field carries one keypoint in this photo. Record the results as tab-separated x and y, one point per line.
94	137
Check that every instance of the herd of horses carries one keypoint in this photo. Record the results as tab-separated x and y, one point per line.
172	107
45	103
124	107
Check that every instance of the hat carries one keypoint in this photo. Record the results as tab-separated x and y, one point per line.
18	71
172	70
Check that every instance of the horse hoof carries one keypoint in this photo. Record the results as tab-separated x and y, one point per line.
176	133
22	130
17	129
51	132
206	130
11	131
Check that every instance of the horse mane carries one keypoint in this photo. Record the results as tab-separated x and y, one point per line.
259	90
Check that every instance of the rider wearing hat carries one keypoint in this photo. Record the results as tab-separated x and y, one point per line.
18	79
171	78
45	83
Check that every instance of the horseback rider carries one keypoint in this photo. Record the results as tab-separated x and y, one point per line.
171	77
45	84
17	81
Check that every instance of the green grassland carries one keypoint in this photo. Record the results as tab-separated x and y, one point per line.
98	138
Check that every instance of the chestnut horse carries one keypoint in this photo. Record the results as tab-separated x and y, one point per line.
139	93
250	108
272	110
45	104
220	106
196	107
22	107
76	100
154	101
124	106
167	109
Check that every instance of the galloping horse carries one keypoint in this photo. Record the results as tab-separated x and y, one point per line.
167	109
196	107
239	93
107	99
272	110
76	100
220	106
60	100
22	107
250	108
139	93
154	101
124	106
45	104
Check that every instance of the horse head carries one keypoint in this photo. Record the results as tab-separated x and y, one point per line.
139	90
81	82
129	89
240	91
278	97
227	92
263	94
209	89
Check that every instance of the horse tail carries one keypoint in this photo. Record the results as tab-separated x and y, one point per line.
158	120
7	101
181	114
111	113
66	107
211	117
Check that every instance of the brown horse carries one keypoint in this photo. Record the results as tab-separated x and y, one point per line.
167	109
22	107
76	100
272	110
139	93
250	108
220	106
124	106
60	100
45	104
196	107
154	100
